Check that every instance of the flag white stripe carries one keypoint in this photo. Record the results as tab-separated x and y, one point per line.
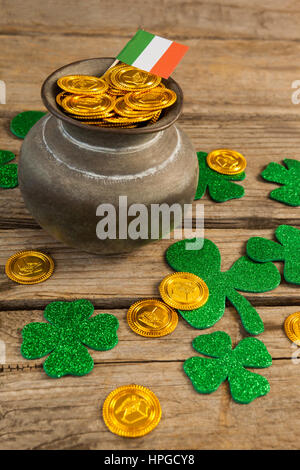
152	53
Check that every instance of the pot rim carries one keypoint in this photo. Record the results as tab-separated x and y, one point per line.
171	114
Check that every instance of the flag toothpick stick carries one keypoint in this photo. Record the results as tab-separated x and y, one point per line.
151	53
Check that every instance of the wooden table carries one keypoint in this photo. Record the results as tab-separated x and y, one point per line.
237	81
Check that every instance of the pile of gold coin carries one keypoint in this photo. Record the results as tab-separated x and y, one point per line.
154	318
123	97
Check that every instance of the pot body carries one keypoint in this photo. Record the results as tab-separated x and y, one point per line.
65	173
68	169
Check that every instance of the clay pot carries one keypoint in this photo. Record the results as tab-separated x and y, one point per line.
67	169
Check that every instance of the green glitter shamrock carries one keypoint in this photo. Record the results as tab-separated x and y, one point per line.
22	123
208	374
244	275
8	173
289	177
220	187
287	250
70	328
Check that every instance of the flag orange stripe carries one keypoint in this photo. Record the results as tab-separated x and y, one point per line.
168	61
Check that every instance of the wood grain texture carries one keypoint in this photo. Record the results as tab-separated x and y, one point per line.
233	77
116	281
135	348
260	140
276	19
41	413
236	79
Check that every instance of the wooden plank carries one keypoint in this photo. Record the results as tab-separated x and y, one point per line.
261	141
176	19
135	348
115	281
217	79
237	81
42	413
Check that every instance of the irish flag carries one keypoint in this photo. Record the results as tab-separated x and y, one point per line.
152	53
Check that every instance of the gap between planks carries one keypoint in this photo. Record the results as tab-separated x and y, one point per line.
6	368
125	303
115	35
239	222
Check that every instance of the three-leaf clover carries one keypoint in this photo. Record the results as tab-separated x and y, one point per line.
244	275
8	173
208	374
69	330
289	177
219	186
287	250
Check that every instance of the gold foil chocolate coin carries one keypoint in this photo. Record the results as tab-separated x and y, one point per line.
127	120
292	327
151	100
29	267
152	318
116	124
83	84
94	117
60	97
155	116
124	110
184	291
131	411
227	162
115	92
96	100
108	73
86	105
132	79
120	126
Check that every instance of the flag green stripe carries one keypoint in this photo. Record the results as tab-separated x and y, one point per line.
135	46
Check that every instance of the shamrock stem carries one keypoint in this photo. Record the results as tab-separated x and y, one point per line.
249	316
